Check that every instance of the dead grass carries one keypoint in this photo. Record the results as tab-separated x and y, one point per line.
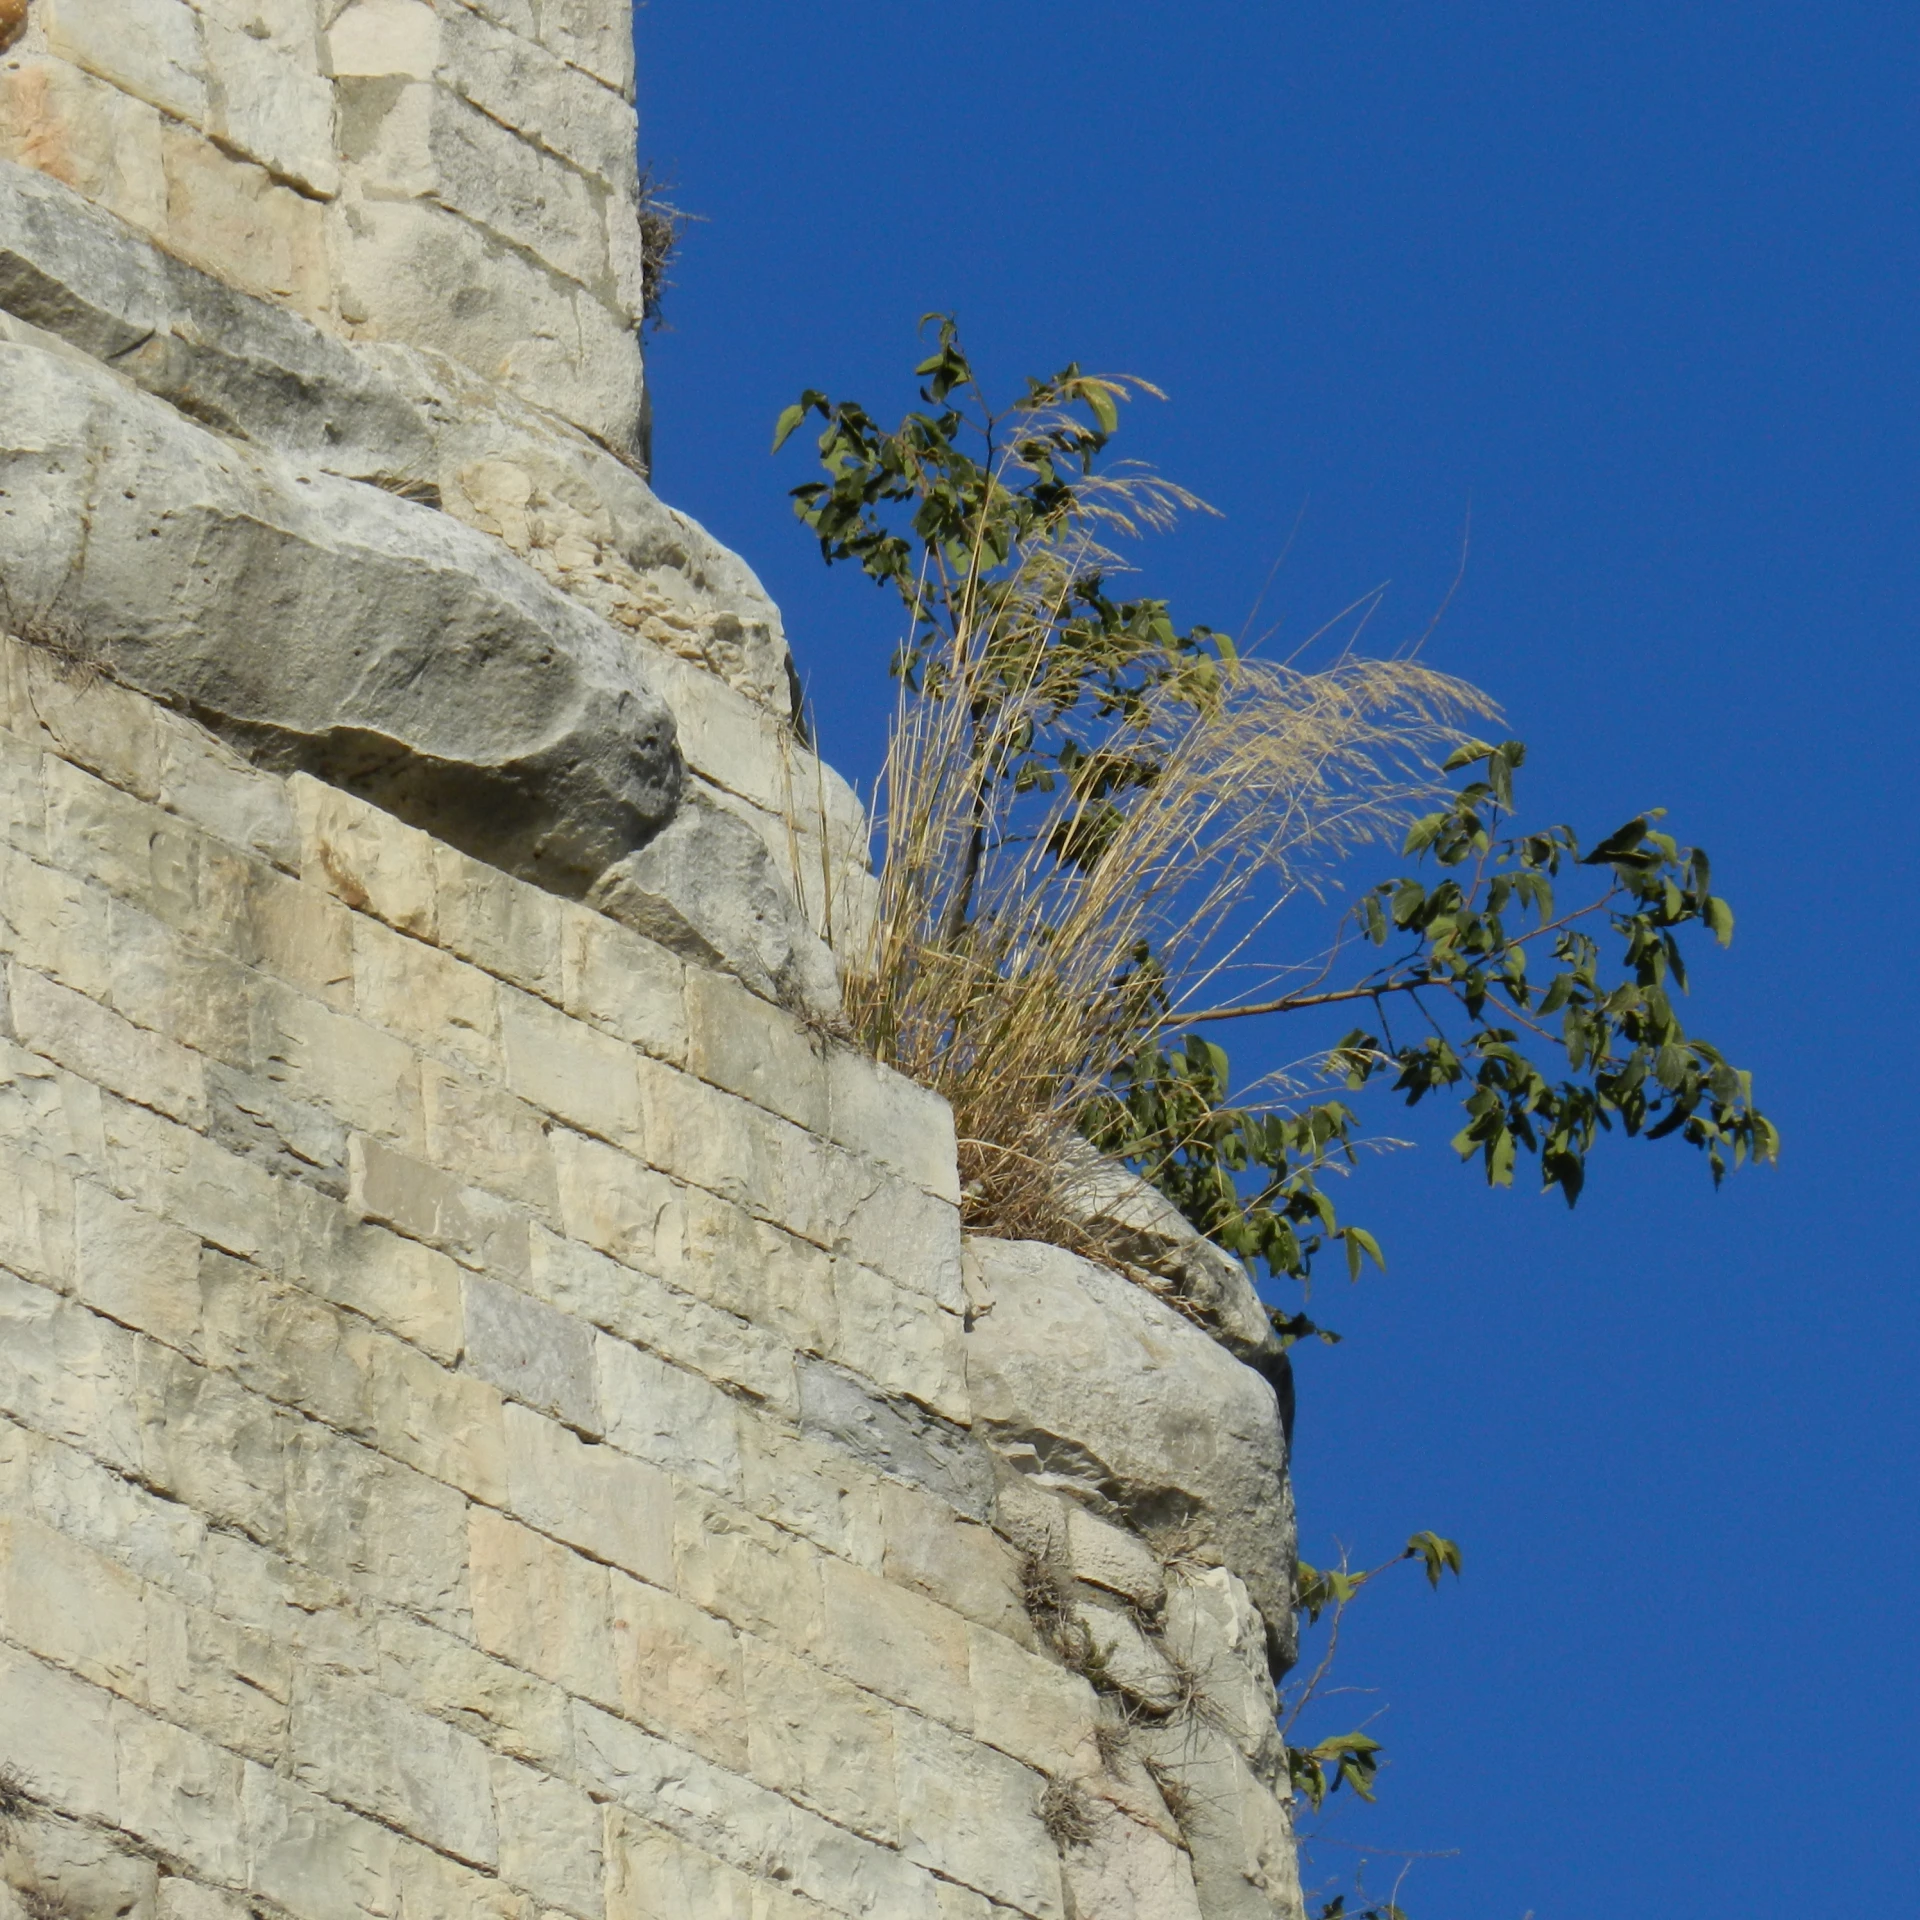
1065	1814
1007	978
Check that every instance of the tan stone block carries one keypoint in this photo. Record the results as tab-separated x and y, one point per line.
178	1899
750	1573
974	1815
51	1115
69	1374
900	1340
148	48
568	1068
71	1607
890	1225
1027	1706
738	1042
377	1527
597	1499
952	1561
209	1442
170	1171
181	1794
273	109
665	1415
880	1114
594	1288
1106	1556
497	1141
612	977
550	1838
224	1680
818	1492
585	35
302	935
233	219
821	1741
54	922
136	1268
1127	1869
400	1284
398	1191
427	998
108	730
101	142
388	1759
206	1001
204	781
653	1876
36	1224
313	1858
511	1710
542	1607
609	1200
679	1672
23	799
504	925
57	1732
896	1643
365	857
758	1271
368	1078
102	1046
385	38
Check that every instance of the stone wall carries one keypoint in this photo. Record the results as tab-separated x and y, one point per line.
498	1414
422	171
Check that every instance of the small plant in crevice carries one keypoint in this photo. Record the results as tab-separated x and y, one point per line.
1066	1814
661	227
1113	1741
16	1803
1180	1800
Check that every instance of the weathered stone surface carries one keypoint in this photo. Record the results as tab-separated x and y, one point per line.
407	658
1086	1381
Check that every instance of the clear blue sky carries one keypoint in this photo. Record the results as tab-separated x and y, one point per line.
1637	282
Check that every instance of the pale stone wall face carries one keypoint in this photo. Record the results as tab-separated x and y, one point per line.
448	176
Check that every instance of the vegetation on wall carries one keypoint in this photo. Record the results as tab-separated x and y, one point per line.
1091	822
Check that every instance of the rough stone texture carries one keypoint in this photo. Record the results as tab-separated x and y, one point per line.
496	1413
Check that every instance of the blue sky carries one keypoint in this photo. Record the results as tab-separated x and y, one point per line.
1635	286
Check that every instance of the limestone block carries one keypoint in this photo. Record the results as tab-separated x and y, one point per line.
732	1148
1127	1870
427	998
1027	1706
622	983
382	39
906	1128
757	1271
205	781
71	1607
895	1643
522	86
448	1425
1215	1630
366	857
497	922
822	1742
736	1041
973	1815
207	1441
612	1202
899	1340
1109	1557
549	1838
399	1284
665	1415
349	556
180	1899
410	271
760	1579
56	923
586	35
53	1114
148	48
60	1867
57	1732
377	1527
653	1876
236	221
497	1141
23	797
542	1608
135	1268
893	1226
1126	1657
592	1288
604	1502
36	1231
526	1349
508	1708
69	1374
953	1561
273	109
680	1673
97	140
180	1794
814	1490
568	1068
395	1190
897	1439
314	1858
225	1680
1087	1380
388	1759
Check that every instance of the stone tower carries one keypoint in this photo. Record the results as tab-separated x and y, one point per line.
498	1413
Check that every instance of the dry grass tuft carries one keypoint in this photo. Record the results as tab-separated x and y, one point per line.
16	1803
1065	1814
1007	977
